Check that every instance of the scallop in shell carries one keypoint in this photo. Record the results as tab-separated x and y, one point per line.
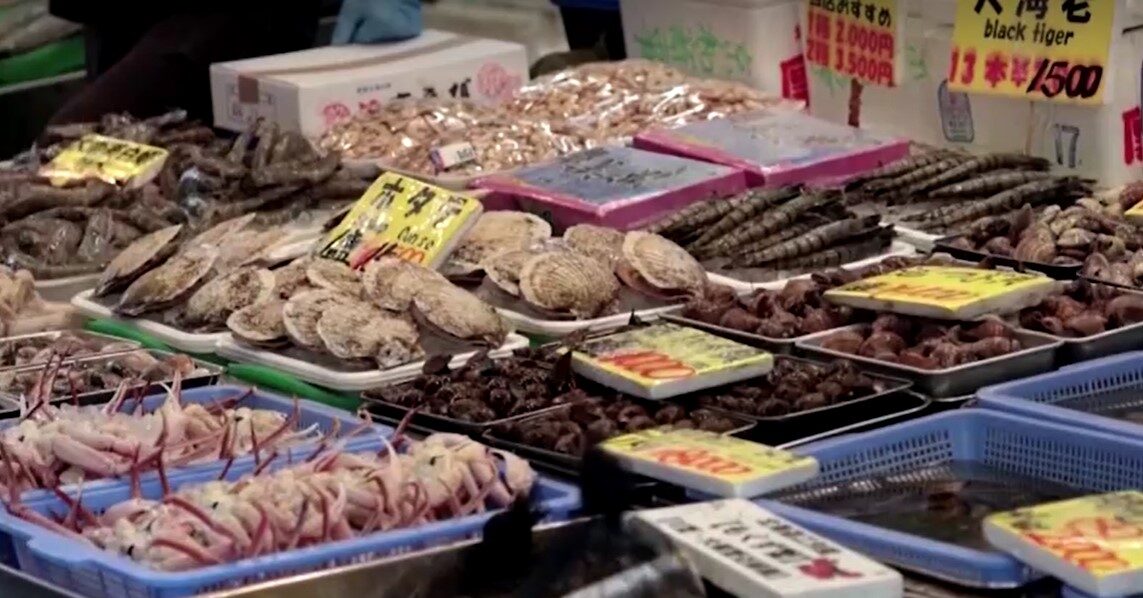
210	306
601	243
503	269
453	313
301	313
367	333
391	283
334	276
568	282
656	266
496	232
260	324
168	283
219	233
291	278
247	246
136	258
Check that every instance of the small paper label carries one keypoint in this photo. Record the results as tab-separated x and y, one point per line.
724	458
404	217
450	156
948	288
115	161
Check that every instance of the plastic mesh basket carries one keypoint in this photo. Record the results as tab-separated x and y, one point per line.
1082	459
1088	395
82	568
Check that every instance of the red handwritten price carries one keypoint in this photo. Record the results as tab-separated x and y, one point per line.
1072	543
699	460
1003	69
650	364
851	46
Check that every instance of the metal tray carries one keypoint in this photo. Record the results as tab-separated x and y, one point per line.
1039	357
890	410
1056	271
210	374
52	335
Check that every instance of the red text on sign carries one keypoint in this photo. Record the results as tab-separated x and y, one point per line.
698	459
650	364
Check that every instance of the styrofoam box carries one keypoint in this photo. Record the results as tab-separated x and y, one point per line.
1101	142
536	24
310	90
751	38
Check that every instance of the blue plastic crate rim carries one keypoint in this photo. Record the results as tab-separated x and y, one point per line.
310	413
1095	381
1070	592
1083	459
91	571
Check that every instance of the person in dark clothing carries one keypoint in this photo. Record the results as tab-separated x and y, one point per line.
148	58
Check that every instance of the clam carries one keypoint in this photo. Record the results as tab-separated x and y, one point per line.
136	258
169	283
291	278
452	313
364	332
503	269
301	313
493	233
334	276
567	282
219	233
209	307
601	243
658	267
246	247
260	324
392	283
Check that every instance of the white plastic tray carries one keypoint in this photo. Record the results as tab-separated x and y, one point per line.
917	238
178	339
343	379
63	289
561	328
896	248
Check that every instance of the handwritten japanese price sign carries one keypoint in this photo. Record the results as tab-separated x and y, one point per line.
1042	50
857	38
944	291
706	461
403	217
116	161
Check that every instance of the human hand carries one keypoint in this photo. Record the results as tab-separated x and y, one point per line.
372	21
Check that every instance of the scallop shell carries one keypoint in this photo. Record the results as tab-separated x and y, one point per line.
301	313
367	333
446	308
211	305
565	281
260	324
334	276
218	233
503	269
392	283
496	232
246	246
601	243
168	283
136	258
656	265
291	279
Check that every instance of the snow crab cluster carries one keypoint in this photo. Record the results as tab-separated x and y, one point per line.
332	495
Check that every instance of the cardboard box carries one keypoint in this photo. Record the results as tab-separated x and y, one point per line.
311	90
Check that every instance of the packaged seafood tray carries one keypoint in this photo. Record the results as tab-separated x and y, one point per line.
947	245
151	324
1105	395
94	379
89	571
913	495
330	372
778	148
39	347
1039	355
896	248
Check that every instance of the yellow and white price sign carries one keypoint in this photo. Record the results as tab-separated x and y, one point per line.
116	161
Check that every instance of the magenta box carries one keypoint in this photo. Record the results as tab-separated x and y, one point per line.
778	148
619	187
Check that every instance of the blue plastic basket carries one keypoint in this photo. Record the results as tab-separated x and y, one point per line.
1070	592
1084	459
310	413
84	569
1076	394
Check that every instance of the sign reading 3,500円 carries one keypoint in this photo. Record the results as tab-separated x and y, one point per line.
856	38
1043	50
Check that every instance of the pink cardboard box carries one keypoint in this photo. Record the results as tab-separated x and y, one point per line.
619	187
778	148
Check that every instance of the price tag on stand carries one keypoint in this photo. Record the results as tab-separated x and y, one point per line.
709	462
115	161
945	292
860	39
748	551
1058	51
1094	543
404	217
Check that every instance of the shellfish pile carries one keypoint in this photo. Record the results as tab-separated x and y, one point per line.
796	310
794	386
1084	309
924	344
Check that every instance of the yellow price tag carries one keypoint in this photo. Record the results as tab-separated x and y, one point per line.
116	161
1056	51
1100	534
856	39
723	458
404	217
944	291
1135	214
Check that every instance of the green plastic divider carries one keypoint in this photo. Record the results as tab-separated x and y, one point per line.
50	60
285	383
127	331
